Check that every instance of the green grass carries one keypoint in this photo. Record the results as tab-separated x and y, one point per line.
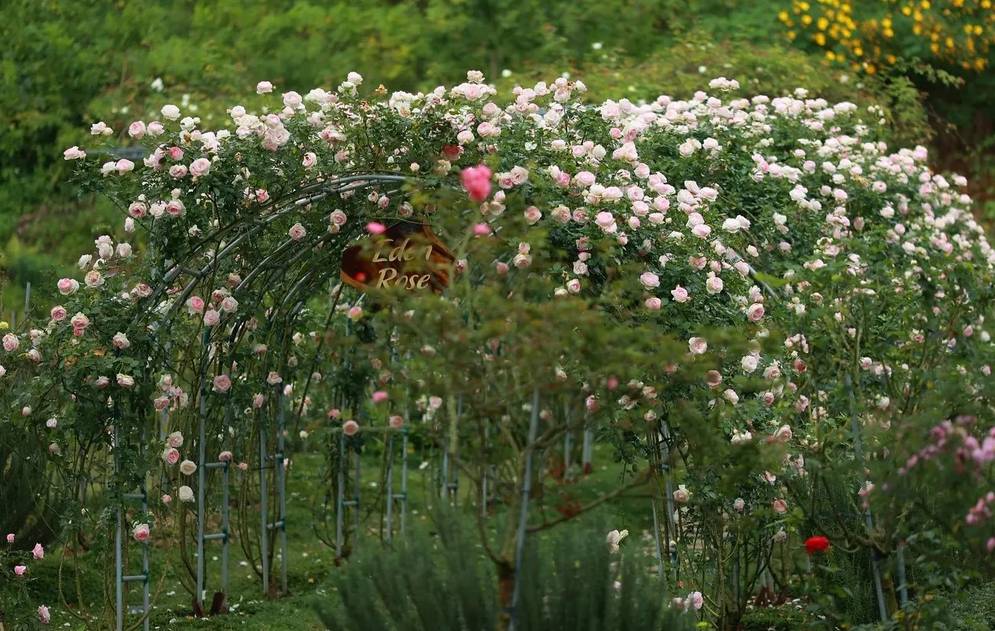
311	564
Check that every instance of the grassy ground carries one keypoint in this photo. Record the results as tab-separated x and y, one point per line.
310	562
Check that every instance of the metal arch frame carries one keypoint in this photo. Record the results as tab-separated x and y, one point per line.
289	308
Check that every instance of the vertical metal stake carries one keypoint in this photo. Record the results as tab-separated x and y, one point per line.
523	518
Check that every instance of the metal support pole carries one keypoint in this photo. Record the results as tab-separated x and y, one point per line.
389	483
119	568
202	473
587	452
868	518
263	505
356	490
340	499
281	485
523	517
404	477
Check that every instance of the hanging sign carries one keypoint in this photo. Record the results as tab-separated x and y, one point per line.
406	256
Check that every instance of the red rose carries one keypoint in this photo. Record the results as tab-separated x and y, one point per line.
818	543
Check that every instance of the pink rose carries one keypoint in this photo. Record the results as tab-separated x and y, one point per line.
697	345
380	396
195	304
73	153
170	456
477	182
175	440
124	166
167	499
780	506
10	342
43	615
10	537
222	383
680	294
755	312
200	167
137	130
297	232
175	153
19	570
376	228
68	286
481	230
350	428
38	552
211	317
141	533
396	422
649	280
264	87
225	456
310	159
653	303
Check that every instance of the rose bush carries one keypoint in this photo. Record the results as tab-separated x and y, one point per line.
811	275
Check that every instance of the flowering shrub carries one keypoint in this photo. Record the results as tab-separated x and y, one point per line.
808	273
872	35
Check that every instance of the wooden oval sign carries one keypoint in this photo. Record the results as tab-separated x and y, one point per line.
407	256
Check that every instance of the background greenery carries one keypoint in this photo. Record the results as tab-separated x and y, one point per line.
66	64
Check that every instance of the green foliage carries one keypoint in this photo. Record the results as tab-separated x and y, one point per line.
443	582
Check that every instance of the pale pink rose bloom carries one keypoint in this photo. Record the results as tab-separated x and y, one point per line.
396	422
10	342
297	232
243	466
10	537
195	304
58	313
200	167
19	570
310	159
137	130
186	494
274	378
120	341
355	313
696	600
258	400
125	381
188	467
682	495
170	455
375	227
653	303
68	286
175	153
350	428
43	614
481	230
73	153
178	171
141	533
175	440
755	312
211	317
222	383
38	552
697	345
380	396
124	166
680	294
780	506
649	280
264	87
225	456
